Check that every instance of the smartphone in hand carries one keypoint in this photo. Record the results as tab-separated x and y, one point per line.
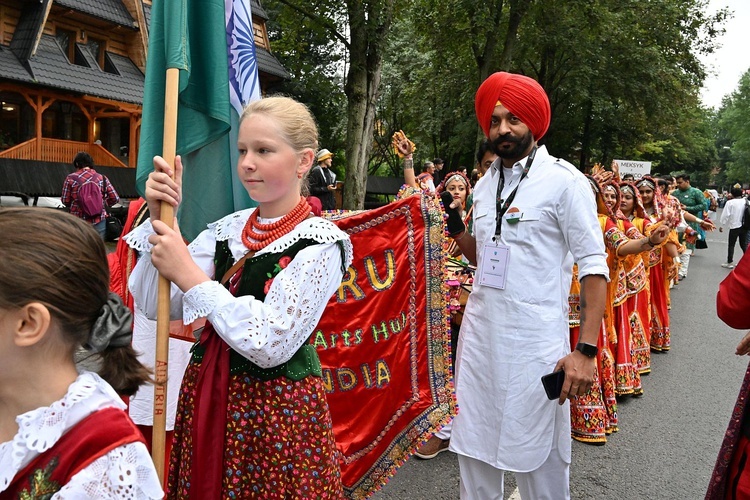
553	384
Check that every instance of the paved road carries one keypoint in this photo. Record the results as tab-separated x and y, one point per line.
670	437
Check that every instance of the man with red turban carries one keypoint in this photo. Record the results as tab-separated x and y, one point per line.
534	216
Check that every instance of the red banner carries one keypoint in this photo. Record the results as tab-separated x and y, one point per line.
384	341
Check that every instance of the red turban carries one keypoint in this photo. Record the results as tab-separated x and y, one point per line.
520	95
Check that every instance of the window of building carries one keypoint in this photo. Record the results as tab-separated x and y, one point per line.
79	59
64	120
109	66
17	120
97	48
67	41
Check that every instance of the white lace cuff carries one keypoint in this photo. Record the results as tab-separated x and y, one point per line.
204	299
137	239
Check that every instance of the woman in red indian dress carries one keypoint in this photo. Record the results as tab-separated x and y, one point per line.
594	415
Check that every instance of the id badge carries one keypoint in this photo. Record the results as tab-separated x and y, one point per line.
494	269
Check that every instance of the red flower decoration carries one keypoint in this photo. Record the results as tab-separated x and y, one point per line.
267	287
281	264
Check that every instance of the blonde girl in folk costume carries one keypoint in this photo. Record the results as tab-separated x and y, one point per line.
252	421
65	434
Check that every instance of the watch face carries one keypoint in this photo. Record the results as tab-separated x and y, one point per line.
587	349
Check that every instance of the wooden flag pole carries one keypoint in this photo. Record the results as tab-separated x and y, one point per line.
169	150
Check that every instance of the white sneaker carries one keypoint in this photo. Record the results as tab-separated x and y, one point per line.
728	265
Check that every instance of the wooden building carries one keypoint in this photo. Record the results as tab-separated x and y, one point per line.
71	79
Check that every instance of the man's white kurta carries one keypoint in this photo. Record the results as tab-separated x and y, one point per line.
510	338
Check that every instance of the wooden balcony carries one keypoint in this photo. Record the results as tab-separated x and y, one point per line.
58	150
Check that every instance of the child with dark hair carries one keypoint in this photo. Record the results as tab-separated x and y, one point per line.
65	433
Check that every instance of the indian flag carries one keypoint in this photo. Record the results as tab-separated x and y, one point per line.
211	42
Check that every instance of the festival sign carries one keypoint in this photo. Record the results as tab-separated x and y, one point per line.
384	341
637	168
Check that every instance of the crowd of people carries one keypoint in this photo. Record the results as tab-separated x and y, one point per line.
650	227
640	223
571	275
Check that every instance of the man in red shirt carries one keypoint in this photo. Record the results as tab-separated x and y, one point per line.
84	174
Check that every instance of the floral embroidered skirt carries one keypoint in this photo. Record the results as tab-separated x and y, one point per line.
278	442
660	333
627	378
640	323
593	416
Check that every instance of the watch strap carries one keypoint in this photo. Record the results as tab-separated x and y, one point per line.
588	350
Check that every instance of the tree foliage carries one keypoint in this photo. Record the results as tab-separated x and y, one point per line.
734	127
315	61
361	27
623	76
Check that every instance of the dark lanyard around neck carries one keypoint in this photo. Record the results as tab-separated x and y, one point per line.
502	205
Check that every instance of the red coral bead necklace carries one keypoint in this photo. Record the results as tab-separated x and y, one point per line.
256	235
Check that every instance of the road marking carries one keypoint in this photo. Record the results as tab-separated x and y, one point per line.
515	495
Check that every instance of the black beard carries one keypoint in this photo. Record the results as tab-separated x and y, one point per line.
521	145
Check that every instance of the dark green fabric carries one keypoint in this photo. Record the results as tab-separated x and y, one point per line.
191	37
256	271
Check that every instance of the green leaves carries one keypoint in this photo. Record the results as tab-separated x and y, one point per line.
734	129
622	76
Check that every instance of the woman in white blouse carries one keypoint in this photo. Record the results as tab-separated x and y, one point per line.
252	420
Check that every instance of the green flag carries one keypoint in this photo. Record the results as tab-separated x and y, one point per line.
191	35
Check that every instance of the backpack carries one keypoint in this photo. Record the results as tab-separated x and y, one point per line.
746	216
90	198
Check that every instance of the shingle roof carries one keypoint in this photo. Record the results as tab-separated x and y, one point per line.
51	67
30	24
147	15
268	63
257	9
11	68
109	10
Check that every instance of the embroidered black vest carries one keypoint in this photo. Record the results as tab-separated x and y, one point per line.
257	270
